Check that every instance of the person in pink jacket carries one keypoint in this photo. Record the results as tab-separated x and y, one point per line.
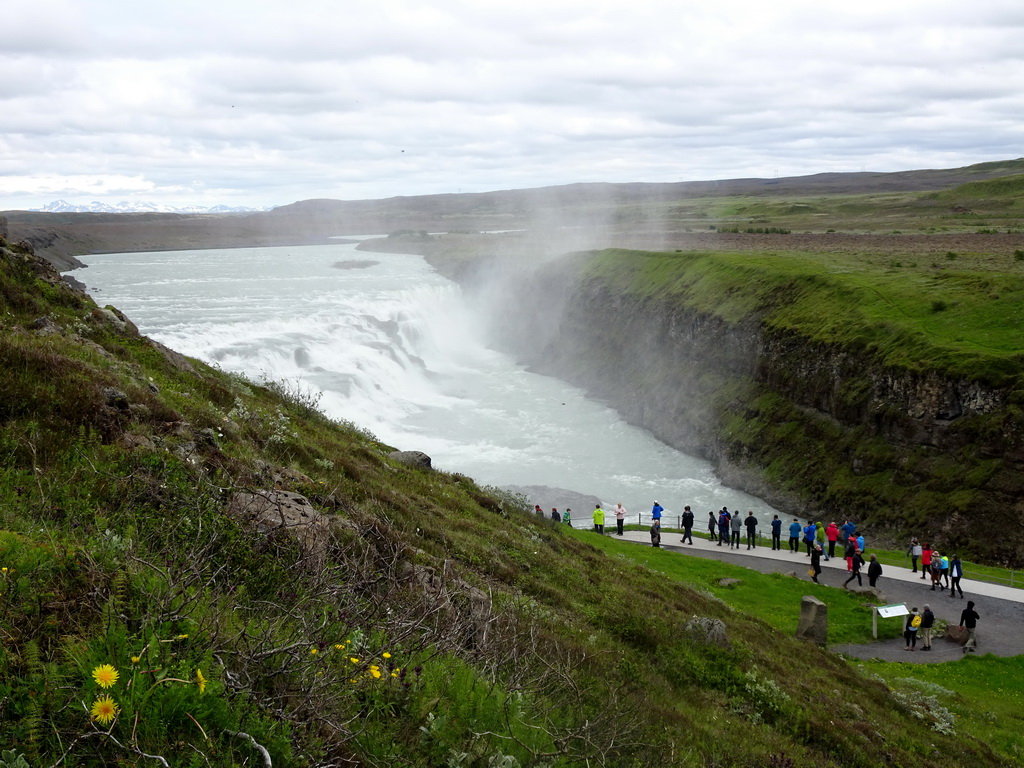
620	517
832	534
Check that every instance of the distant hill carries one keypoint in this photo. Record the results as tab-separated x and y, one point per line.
631	214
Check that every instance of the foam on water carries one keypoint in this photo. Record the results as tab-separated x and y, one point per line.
394	348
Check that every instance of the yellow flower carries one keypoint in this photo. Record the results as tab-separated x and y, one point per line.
353	659
314	651
104	675
136	659
182	637
375	671
200	681
386	655
394	674
104	710
339	646
3	570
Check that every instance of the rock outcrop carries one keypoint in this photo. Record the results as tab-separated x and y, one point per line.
273	511
414	459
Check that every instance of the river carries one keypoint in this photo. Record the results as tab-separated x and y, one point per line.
393	347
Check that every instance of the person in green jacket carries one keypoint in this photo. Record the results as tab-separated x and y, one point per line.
820	538
598	519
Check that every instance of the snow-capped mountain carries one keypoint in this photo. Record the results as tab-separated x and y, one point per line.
138	206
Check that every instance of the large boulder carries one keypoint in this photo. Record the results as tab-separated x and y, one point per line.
708	631
273	511
955	634
813	624
414	459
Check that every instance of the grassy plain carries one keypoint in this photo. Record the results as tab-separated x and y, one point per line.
964	313
984	207
985	696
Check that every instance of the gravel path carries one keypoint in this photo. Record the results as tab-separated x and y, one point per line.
1000	628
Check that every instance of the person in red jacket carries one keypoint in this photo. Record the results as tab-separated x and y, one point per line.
832	534
926	560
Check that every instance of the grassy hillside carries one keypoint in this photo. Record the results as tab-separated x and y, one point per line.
962	315
407	617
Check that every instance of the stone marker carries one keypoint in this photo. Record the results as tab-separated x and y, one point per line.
813	620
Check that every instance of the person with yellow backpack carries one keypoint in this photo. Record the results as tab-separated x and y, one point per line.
910	631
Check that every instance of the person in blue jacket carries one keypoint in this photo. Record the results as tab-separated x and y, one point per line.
810	534
794	536
656	511
776	533
848	528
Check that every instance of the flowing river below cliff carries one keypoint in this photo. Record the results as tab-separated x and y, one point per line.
395	349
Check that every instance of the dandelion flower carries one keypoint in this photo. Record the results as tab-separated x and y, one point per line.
314	651
182	637
104	675
394	674
200	681
136	659
339	646
386	655
353	659
104	710
375	671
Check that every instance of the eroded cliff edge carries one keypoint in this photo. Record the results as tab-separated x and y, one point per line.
878	424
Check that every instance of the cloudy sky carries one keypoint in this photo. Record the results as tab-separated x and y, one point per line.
265	102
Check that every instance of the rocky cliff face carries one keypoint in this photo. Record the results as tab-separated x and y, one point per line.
823	430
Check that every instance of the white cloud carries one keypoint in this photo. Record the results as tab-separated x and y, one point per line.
267	102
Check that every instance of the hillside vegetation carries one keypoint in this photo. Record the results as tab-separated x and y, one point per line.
199	570
963	315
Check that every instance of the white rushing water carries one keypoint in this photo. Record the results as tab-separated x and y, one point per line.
395	349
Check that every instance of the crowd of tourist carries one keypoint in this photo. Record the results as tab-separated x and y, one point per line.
818	541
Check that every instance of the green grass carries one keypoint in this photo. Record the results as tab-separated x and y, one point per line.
845	301
984	693
773	598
